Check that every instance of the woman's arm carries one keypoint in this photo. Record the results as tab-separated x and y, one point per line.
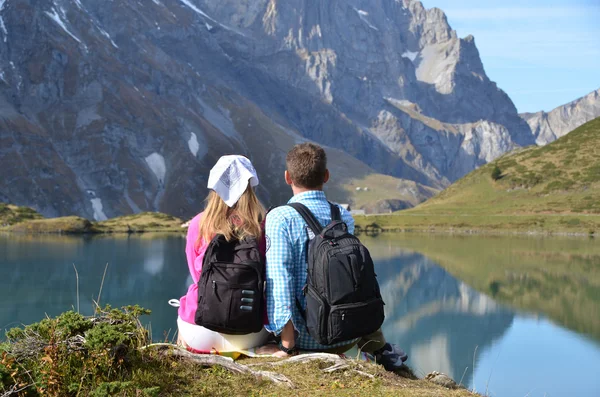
192	249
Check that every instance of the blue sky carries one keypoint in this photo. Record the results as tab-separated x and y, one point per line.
542	53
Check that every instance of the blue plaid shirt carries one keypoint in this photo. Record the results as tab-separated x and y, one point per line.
287	236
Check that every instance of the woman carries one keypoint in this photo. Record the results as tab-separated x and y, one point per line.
234	211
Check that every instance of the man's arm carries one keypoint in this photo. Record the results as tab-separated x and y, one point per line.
280	283
347	218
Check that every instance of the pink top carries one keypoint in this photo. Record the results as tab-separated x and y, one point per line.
189	302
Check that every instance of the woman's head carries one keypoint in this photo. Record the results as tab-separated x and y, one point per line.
232	208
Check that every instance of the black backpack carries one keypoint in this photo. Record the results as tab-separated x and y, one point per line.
230	289
343	300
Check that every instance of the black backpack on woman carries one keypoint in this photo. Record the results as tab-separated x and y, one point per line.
343	300
231	287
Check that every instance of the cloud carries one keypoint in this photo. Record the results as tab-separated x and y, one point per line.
518	13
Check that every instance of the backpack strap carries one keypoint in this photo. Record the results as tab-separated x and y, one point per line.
335	212
316	227
308	217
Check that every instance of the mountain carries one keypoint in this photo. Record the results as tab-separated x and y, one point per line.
547	127
561	177
110	108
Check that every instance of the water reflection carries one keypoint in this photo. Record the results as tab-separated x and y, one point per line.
444	316
437	318
39	279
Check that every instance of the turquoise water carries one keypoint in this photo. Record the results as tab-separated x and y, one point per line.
441	321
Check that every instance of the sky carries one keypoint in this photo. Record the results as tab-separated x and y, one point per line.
542	53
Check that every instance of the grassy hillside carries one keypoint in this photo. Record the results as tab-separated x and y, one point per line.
375	189
555	188
26	220
562	177
11	214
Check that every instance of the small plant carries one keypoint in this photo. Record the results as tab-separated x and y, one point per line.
76	355
496	173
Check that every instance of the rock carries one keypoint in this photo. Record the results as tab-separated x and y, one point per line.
441	380
385	206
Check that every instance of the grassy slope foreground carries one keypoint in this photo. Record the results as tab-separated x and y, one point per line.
108	355
554	188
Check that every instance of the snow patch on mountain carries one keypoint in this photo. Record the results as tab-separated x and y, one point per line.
99	214
156	162
56	18
410	55
205	15
2	25
363	15
193	144
105	34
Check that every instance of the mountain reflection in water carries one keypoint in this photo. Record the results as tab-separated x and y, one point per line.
438	319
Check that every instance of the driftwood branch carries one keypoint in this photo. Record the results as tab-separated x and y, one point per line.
339	363
302	358
210	360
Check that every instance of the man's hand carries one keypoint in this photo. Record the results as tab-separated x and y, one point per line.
270	349
280	354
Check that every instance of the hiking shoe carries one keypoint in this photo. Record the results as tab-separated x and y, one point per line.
391	357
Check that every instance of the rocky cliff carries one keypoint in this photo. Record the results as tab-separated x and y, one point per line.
548	127
115	107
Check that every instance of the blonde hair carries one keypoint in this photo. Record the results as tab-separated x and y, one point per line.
240	221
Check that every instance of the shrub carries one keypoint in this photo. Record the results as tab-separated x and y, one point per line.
76	355
496	173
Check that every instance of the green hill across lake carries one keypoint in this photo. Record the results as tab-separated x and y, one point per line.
554	188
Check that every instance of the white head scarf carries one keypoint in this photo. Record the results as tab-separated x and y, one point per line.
230	176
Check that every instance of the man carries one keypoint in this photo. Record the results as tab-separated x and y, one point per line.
287	234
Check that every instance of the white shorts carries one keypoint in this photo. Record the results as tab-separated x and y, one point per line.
202	339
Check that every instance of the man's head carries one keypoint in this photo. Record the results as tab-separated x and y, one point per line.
306	167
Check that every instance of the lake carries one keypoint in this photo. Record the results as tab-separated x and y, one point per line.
524	312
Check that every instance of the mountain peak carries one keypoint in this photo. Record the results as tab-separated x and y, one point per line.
125	106
549	126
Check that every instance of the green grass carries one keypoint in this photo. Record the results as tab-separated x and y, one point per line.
138	223
383	187
555	188
65	225
24	220
11	214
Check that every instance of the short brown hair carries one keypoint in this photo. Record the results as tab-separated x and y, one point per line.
307	165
